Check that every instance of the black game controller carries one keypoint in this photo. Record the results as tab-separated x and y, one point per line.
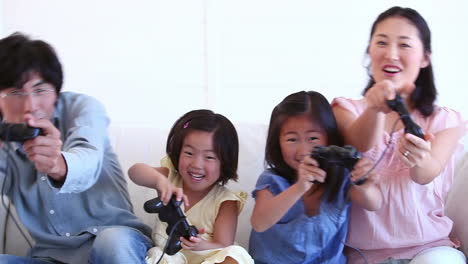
176	222
18	132
332	155
398	106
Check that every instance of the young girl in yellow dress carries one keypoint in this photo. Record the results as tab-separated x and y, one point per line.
202	149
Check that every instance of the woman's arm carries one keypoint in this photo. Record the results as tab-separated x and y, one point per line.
362	132
365	130
428	159
367	195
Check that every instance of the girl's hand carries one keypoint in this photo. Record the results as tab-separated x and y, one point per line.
362	168
166	190
413	150
308	172
195	243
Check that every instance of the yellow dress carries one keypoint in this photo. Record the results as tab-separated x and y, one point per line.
202	215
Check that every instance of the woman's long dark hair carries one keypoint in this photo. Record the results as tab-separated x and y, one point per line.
425	93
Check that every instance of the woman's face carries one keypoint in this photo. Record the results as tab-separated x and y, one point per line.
397	52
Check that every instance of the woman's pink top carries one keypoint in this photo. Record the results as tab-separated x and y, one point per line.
412	215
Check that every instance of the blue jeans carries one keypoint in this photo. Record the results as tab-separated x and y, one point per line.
111	245
120	245
24	260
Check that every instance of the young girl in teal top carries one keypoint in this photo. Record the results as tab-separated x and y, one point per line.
301	212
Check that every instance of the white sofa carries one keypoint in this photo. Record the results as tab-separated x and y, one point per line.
147	144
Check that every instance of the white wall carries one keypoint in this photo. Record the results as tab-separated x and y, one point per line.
151	61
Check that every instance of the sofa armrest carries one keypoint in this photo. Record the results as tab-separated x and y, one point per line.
455	207
12	239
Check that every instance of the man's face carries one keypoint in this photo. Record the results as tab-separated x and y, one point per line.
35	100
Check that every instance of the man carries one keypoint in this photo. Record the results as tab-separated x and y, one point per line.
66	184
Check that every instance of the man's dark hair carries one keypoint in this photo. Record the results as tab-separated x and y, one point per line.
21	56
225	139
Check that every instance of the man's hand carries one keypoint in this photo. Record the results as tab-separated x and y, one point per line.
45	151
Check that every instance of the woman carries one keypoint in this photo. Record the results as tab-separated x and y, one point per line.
415	173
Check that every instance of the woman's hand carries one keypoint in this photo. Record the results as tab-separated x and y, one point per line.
378	95
308	172
415	151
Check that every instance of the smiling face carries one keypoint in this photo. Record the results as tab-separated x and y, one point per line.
397	52
36	99
199	165
298	136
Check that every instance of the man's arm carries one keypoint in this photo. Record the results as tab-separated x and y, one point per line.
83	124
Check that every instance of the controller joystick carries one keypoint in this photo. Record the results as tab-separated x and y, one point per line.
176	222
398	105
18	132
